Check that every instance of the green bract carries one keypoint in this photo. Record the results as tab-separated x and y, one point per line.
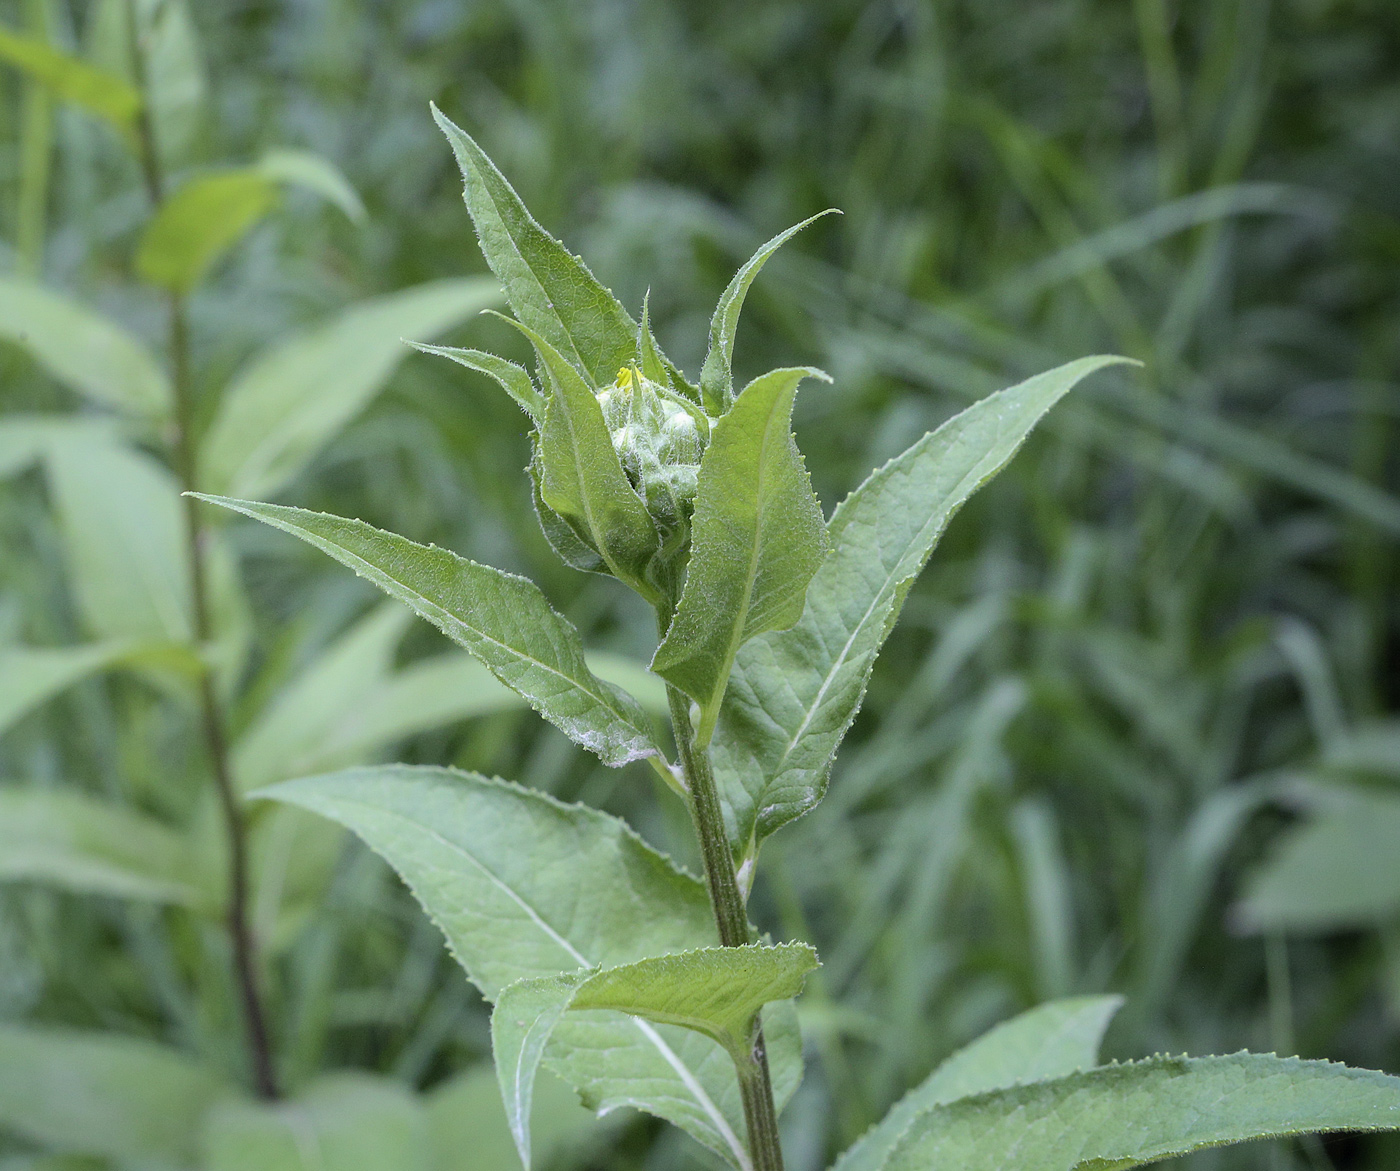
598	953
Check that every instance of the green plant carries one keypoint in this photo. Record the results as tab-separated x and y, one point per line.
769	621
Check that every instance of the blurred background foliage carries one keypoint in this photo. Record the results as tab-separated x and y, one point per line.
1137	730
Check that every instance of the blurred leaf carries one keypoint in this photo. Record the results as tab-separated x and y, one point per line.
312	172
101	93
1370	747
793	694
67	839
210	213
84	350
582	477
123	534
549	290
341	1122
295	723
199	223
500	869
716	376
757	540
1122	1116
31	675
1048	1041
715	991
294	397
174	70
504	620
1340	870
467	1123
104	1094
513	379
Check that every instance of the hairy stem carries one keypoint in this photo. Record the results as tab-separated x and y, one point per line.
732	918
211	711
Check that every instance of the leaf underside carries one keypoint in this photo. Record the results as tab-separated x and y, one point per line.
524	886
714	991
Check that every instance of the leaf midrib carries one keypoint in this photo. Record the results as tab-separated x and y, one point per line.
891	582
669	1055
582	685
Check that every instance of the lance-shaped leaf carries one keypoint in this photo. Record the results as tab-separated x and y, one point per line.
80	843
504	620
31	675
1049	1041
793	694
282	408
104	1095
549	289
715	991
716	375
581	476
84	350
525	886
757	539
1121	1116
513	379
108	96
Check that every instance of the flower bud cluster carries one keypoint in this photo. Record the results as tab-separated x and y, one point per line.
659	443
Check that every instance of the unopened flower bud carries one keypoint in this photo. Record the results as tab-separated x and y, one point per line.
659	445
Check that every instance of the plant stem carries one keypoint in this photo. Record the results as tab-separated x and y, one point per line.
732	918
211	712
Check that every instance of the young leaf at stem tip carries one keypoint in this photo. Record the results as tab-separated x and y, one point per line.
757	540
513	379
714	991
794	693
716	376
582	477
550	290
504	620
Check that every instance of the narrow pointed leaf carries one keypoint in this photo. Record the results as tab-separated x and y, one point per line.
716	376
107	95
524	886
549	289
1049	1041
295	723
105	1095
715	991
757	540
29	676
504	620
67	839
1121	1116
312	172
793	694
83	349
582	478
292	398
513	379
649	356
